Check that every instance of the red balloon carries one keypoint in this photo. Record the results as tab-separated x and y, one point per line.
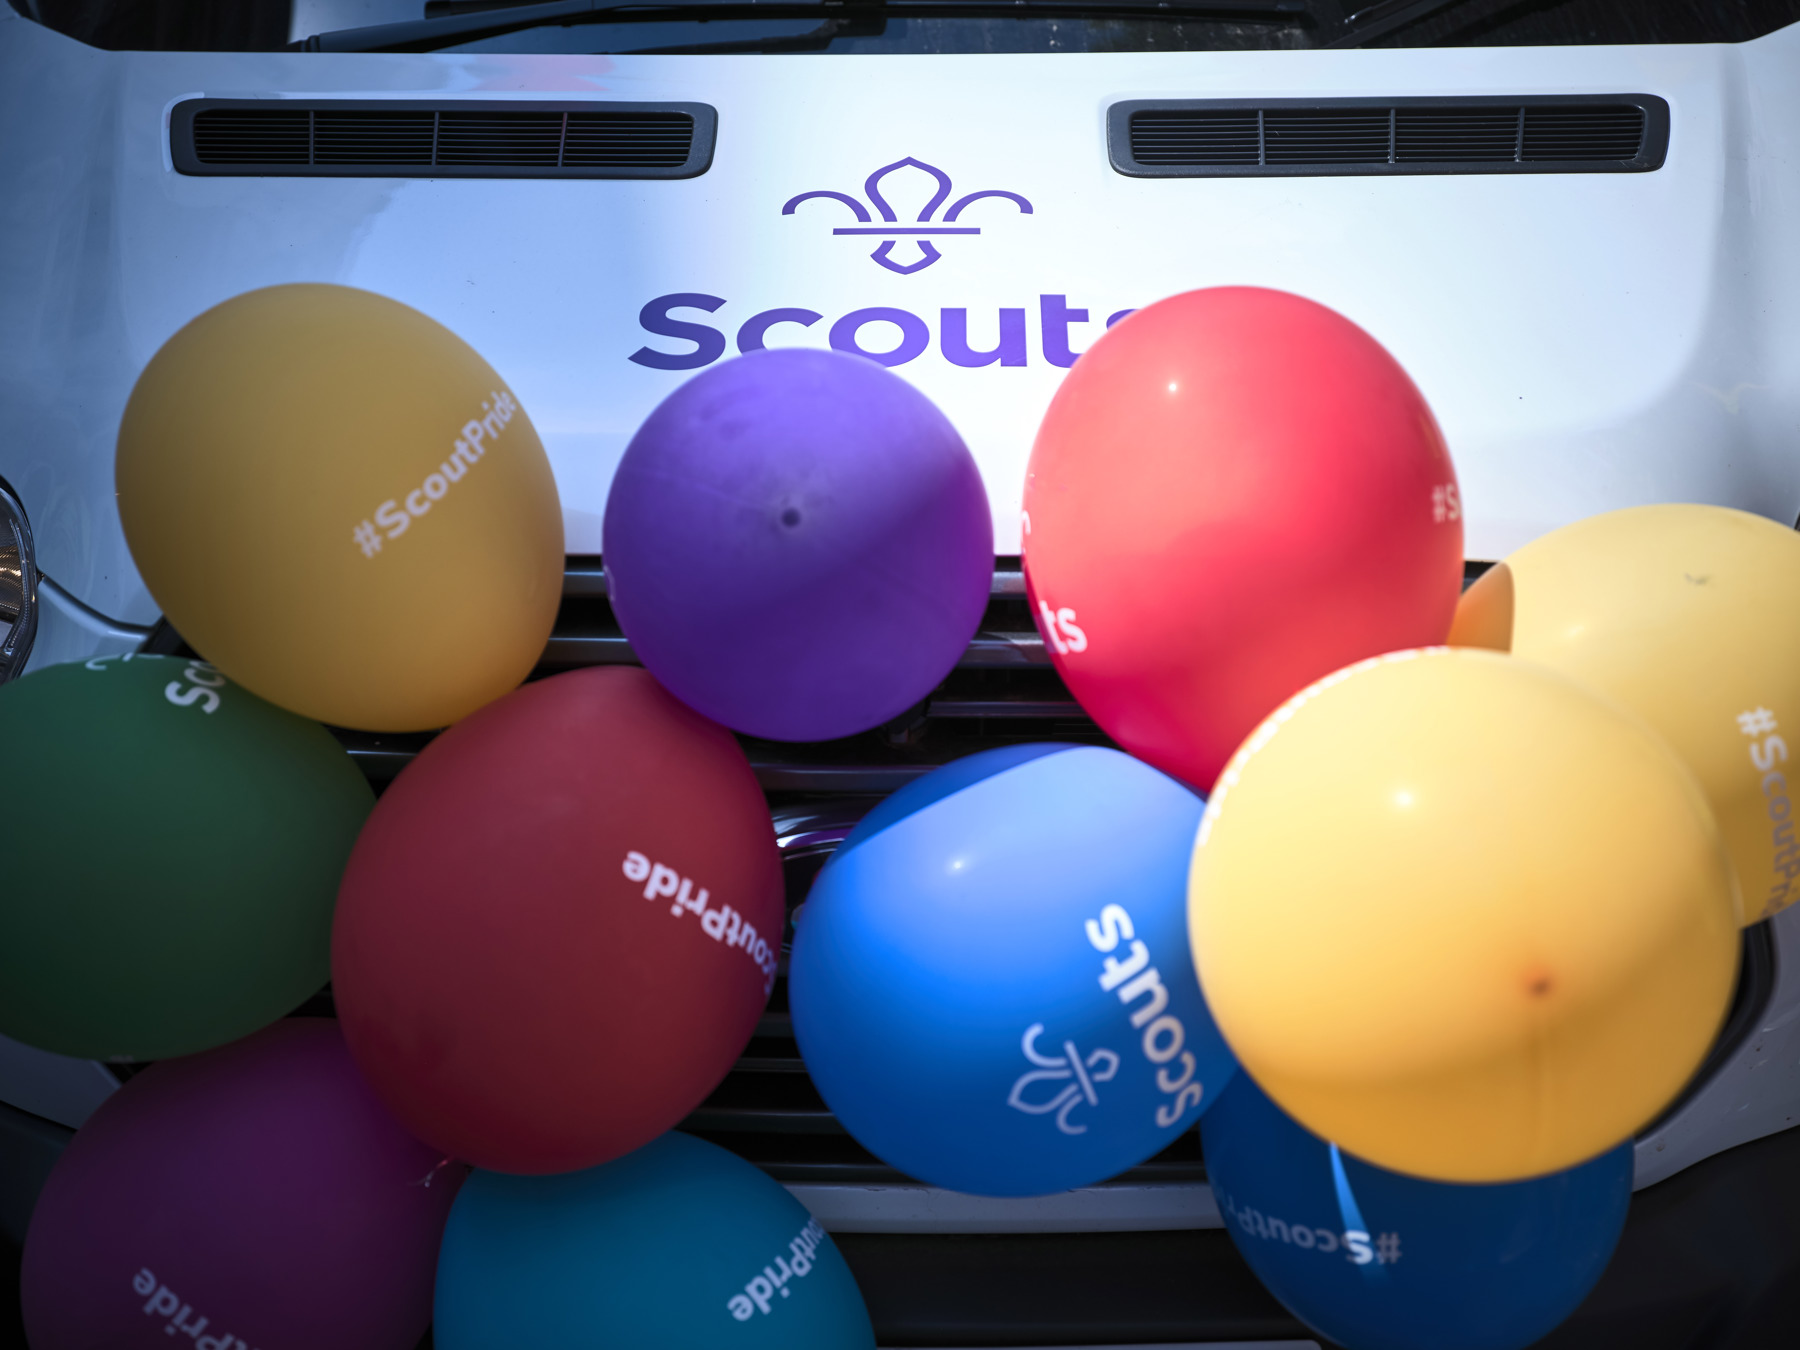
560	924
1234	492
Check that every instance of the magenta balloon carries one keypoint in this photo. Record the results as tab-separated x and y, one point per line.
253	1197
798	544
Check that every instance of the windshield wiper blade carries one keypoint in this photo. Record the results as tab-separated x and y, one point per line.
435	9
1380	19
423	35
813	40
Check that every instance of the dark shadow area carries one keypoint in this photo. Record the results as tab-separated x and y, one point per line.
168	25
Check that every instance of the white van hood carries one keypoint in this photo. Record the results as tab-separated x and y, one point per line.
1587	341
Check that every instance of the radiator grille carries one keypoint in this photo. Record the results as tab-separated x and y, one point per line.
1003	691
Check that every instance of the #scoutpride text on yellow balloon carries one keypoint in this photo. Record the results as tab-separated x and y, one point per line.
1684	614
343	507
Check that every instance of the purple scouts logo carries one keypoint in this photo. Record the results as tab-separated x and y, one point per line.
892	232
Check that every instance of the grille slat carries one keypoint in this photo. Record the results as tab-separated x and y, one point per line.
645	138
1229	138
1457	135
1334	136
256	137
1211	137
466	139
356	138
527	139
1550	134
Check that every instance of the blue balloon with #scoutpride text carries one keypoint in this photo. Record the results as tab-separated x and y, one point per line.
1375	1260
678	1246
991	981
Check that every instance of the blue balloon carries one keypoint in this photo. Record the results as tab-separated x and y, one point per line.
1375	1260
678	1246
991	981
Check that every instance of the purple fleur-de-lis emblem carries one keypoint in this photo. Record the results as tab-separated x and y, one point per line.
892	231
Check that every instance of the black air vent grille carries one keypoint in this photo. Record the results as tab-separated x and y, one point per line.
1471	135
1589	133
1285	137
362	138
528	139
468	139
1200	136
254	137
1327	136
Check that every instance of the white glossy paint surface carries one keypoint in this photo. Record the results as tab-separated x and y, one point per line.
1754	1093
1587	341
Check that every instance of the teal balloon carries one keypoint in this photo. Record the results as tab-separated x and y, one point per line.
678	1246
170	852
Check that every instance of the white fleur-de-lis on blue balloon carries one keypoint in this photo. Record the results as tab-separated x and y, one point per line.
1077	1076
892	230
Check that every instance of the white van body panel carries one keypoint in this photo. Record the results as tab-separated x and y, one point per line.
1587	341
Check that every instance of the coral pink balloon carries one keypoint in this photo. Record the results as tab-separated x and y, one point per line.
1234	493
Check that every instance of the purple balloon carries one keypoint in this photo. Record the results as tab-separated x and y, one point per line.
798	544
253	1197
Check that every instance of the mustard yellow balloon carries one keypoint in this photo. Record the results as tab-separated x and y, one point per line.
1690	617
343	507
1462	916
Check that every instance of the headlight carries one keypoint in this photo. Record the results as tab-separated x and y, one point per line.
18	587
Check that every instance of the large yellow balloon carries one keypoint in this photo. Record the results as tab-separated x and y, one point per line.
1462	916
1690	617
342	507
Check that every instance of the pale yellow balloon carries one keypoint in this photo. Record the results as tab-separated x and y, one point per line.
1462	916
1690	617
339	504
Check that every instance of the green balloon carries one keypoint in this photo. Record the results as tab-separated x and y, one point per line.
170	852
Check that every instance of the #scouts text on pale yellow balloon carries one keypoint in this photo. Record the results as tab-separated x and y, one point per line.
1690	617
1463	917
337	502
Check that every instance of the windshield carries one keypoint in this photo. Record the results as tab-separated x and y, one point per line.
897	26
